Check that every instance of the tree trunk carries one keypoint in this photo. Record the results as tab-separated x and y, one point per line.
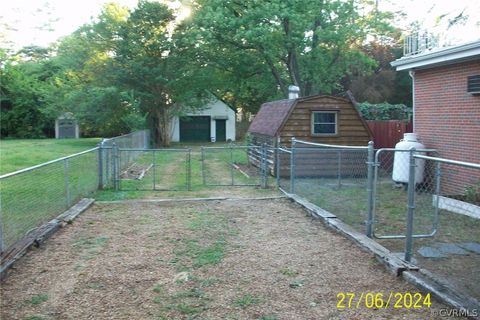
162	126
165	126
292	64
276	74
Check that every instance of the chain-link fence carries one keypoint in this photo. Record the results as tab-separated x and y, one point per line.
390	195
423	207
283	168
154	169
329	176
33	196
412	202
447	194
136	140
236	165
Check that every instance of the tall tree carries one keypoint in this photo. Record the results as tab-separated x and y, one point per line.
308	43
150	60
86	85
23	91
384	84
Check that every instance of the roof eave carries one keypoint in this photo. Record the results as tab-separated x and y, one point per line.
466	52
280	128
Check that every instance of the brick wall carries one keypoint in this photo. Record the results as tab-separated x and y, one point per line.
447	118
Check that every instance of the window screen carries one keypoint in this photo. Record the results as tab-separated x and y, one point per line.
324	122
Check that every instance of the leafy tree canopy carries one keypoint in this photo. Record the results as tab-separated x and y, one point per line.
130	68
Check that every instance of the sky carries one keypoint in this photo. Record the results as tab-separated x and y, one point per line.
41	22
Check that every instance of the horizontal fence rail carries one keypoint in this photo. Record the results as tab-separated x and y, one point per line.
11	174
30	197
33	196
448	161
410	201
332	146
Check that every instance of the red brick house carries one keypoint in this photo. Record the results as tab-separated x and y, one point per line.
446	106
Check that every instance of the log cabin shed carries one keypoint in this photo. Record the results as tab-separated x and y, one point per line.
320	118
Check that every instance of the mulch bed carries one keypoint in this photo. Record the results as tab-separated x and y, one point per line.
246	259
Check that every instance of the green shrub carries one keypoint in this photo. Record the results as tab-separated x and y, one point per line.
384	111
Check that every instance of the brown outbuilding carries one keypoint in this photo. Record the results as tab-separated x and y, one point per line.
321	118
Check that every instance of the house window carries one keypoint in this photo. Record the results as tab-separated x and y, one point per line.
324	123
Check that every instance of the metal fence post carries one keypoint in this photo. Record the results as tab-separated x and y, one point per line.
231	165
277	162
438	176
145	139
204	181
189	170
100	165
115	166
264	166
2	241
108	154
411	207
261	166
339	169
67	182
154	171
370	186
292	167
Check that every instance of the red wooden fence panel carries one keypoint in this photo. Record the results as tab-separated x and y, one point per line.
386	133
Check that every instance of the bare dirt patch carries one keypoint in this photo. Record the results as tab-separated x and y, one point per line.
217	260
135	172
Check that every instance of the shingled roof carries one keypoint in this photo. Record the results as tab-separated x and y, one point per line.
271	116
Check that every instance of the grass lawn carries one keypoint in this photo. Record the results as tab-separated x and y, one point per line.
167	170
32	198
349	203
17	154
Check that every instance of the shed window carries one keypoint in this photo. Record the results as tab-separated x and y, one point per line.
324	123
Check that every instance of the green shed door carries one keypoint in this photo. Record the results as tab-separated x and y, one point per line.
220	130
195	128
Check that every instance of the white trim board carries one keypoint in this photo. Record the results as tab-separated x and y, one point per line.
457	206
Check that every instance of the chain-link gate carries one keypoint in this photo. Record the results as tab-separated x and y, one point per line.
283	168
152	169
236	165
390	195
451	188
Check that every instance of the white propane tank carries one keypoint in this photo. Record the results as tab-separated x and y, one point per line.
402	159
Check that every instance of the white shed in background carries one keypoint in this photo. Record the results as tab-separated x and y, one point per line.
216	122
66	126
